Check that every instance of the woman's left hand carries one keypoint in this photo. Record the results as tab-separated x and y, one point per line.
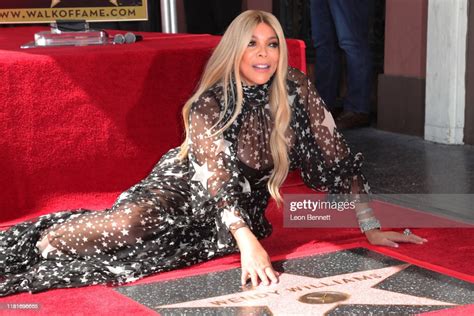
391	238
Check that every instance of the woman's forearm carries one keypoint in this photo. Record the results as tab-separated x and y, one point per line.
245	239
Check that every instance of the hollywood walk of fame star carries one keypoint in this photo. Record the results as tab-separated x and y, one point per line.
301	295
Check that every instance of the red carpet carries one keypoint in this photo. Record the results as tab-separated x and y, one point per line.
449	251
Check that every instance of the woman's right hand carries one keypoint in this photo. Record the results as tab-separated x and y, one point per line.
257	265
254	259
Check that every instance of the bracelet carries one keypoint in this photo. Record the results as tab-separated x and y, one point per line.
235	226
364	211
368	224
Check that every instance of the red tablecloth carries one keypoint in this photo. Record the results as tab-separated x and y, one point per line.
78	125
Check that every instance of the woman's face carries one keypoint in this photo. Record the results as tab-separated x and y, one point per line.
261	55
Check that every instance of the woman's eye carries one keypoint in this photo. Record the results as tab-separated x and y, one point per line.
251	44
274	45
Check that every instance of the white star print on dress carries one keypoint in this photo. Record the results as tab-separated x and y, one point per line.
201	174
245	186
222	145
328	122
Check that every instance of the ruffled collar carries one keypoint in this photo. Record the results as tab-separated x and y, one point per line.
257	95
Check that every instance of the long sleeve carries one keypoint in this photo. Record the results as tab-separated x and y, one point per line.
215	185
326	160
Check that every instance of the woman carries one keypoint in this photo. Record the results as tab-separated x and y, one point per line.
251	120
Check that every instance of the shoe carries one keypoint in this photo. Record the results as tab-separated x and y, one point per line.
349	120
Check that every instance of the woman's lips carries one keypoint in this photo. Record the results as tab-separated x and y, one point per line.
261	67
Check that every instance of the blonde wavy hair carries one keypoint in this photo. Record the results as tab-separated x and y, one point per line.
223	68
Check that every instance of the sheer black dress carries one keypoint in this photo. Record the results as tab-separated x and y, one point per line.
183	211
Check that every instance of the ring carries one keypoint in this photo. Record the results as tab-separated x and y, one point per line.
407	232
